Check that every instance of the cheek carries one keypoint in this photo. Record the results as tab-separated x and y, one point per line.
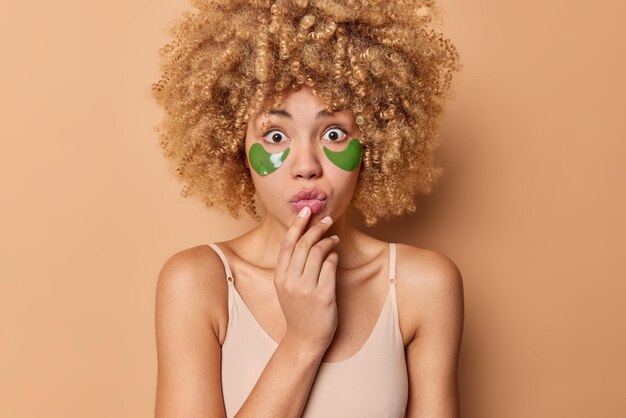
263	162
349	158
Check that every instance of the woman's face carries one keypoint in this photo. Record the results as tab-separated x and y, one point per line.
300	148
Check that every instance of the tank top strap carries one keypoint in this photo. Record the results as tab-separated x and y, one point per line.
392	263
395	314
229	274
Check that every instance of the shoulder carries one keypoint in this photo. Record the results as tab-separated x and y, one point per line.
196	267
194	280
430	286
190	287
421	266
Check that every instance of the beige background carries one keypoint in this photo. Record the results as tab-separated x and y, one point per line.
531	207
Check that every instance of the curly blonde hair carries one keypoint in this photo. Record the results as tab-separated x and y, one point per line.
379	59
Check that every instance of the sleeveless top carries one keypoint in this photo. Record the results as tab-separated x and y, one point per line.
371	383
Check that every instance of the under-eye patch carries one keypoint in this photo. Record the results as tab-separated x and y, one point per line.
349	158
264	162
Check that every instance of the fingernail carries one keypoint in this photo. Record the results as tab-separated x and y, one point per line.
335	237
326	220
304	212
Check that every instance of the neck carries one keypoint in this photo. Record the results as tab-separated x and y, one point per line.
268	236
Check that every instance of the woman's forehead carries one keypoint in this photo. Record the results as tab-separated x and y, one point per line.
298	101
295	115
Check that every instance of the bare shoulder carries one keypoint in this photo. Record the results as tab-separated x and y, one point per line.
199	259
191	294
195	278
429	285
427	267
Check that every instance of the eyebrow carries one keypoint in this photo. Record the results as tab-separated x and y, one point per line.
285	114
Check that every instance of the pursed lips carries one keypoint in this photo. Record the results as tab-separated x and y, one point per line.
312	197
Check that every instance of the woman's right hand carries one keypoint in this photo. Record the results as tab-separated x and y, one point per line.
305	283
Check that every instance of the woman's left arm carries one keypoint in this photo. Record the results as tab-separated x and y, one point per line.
432	355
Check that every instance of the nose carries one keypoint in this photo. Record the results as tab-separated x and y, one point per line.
306	162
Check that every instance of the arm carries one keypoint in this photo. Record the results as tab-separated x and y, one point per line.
305	285
432	355
189	301
283	387
188	348
189	296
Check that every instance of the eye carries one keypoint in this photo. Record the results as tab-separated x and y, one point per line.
275	136
334	134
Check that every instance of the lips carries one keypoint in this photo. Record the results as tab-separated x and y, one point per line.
315	205
308	194
313	198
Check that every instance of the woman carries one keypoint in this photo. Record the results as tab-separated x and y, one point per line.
307	108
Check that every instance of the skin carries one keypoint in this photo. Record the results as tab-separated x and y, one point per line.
264	162
301	124
192	291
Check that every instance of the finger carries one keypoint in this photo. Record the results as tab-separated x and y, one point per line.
290	239
317	256
304	245
328	274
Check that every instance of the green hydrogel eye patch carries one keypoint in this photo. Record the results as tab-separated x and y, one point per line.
264	162
347	159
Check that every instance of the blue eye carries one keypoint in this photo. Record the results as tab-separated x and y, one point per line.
275	136
334	134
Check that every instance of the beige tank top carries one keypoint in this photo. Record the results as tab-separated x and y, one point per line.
371	383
